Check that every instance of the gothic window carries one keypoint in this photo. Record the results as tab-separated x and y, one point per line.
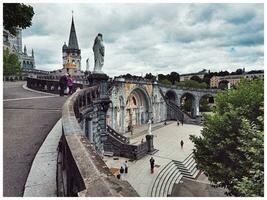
134	101
73	61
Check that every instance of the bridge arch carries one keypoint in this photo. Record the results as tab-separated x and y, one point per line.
171	95
205	102
188	102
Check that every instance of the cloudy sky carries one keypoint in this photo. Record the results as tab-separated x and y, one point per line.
157	38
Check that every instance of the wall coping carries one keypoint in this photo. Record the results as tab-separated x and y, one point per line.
96	176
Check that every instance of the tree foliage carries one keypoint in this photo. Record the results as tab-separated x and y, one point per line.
196	78
11	63
17	15
192	84
231	149
173	77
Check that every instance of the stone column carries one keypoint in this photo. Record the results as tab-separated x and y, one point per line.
149	140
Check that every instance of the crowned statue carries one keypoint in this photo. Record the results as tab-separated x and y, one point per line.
99	52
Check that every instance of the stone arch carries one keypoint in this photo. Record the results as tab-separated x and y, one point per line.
138	107
205	102
188	103
171	95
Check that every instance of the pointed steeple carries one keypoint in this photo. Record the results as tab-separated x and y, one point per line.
25	50
73	42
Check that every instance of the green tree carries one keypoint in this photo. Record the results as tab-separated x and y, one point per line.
165	82
191	84
231	149
150	76
11	63
173	77
17	15
196	78
204	105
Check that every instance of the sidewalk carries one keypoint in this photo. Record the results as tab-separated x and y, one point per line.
41	181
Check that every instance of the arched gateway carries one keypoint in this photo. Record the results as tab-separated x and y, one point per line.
138	107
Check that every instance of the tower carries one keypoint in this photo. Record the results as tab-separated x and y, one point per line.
71	54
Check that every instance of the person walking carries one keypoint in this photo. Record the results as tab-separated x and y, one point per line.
62	84
178	122
182	144
121	171
182	122
70	84
125	167
152	164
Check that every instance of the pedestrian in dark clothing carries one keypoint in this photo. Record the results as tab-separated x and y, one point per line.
118	176
70	82
62	84
121	170
165	123
182	143
152	163
125	167
182	122
178	123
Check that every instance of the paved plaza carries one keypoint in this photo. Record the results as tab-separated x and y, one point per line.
167	142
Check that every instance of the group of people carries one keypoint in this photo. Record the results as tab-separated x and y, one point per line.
123	170
66	83
178	123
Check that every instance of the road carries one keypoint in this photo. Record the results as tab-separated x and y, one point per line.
28	118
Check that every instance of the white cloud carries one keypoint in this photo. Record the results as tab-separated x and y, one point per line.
157	38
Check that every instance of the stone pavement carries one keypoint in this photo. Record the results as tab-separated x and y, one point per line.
41	181
27	121
167	141
192	188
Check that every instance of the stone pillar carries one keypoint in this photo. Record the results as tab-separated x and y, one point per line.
102	102
196	107
149	140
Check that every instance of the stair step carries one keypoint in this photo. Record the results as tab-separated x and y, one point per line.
179	178
174	178
153	190
160	180
162	192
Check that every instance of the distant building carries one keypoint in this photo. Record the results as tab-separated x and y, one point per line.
215	81
200	74
71	54
14	44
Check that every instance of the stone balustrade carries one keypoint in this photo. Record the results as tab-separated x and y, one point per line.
48	85
81	171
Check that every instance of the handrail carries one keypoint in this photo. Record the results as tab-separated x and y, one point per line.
117	135
178	113
189	88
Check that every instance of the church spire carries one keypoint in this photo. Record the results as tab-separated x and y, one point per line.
73	42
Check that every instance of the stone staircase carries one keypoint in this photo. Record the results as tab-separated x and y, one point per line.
172	174
188	167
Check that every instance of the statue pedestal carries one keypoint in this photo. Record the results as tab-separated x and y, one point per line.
101	80
149	139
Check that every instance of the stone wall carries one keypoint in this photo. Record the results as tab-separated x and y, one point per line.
123	112
81	171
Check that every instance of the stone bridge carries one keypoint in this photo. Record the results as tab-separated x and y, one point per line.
134	102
